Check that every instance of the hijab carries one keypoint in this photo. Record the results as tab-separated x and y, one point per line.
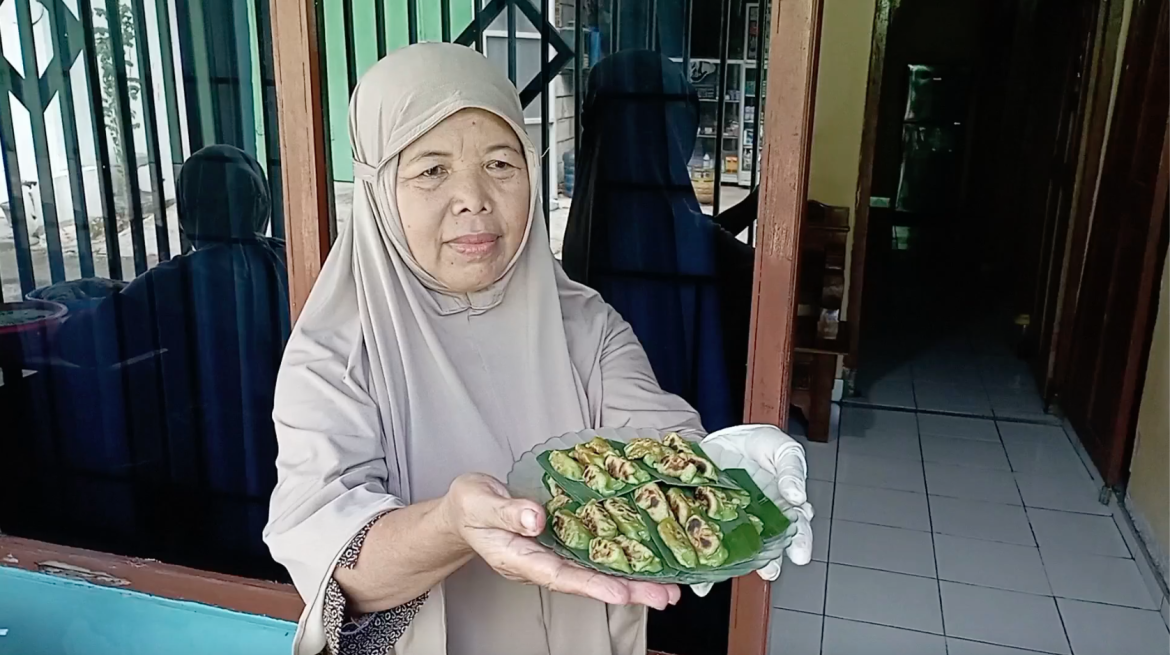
222	196
637	233
392	385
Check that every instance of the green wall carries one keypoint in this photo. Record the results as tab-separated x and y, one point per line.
365	42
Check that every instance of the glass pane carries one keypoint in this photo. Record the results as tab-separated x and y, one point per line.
145	301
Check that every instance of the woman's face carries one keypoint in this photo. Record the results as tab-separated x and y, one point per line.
463	197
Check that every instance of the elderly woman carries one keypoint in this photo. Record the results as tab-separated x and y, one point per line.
440	343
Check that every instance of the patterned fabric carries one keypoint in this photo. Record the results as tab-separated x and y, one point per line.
367	634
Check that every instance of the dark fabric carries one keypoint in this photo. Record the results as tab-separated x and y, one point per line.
222	197
182	365
637	233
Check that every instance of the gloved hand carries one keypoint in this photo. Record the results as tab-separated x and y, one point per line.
782	456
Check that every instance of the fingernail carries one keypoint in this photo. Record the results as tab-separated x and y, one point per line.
528	519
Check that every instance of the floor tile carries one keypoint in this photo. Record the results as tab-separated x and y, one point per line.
801	588
896	509
1043	456
881	472
889	393
1081	533
958	427
1104	630
1068	493
856	422
794	633
821	459
881	547
893	599
955	403
971	483
852	638
978	520
1011	430
964	647
990	564
822	527
1097	579
964	452
820	496
1007	618
879	444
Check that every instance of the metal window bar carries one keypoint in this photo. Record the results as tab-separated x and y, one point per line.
36	105
477	9
762	30
150	122
544	100
59	71
350	44
268	114
126	129
328	137
688	12
512	42
380	27
721	98
616	28
444	19
16	208
101	145
411	23
166	53
578	75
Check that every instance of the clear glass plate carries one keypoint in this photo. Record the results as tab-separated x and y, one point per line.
526	481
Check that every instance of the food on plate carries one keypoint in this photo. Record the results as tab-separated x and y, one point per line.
565	465
756	523
594	516
570	530
587	456
673	440
647	450
608	553
557	502
739	497
554	489
707	541
680	504
678	466
650	498
641	558
600	446
598	480
702	465
676	540
623	469
716	502
629	523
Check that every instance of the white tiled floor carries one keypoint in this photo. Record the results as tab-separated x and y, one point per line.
964	523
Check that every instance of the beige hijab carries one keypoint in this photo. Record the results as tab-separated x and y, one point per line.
391	386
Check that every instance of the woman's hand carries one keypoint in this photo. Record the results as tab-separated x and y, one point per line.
499	528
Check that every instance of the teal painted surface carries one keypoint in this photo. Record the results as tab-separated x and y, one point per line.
47	615
366	45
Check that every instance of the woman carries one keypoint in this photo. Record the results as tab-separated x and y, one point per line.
440	343
637	233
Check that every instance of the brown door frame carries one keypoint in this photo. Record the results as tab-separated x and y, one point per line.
884	11
793	49
303	145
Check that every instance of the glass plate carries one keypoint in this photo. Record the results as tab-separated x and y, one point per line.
526	481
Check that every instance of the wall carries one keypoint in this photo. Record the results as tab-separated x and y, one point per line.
843	72
1149	484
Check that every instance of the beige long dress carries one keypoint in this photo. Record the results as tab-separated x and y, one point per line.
391	386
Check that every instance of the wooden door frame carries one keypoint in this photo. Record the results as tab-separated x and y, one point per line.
792	68
793	49
884	11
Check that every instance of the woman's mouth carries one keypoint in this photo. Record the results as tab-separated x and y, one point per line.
474	245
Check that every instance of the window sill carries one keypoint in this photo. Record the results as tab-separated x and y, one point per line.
278	601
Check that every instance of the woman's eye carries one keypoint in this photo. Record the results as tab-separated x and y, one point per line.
432	172
499	165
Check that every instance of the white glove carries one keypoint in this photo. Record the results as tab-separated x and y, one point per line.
782	456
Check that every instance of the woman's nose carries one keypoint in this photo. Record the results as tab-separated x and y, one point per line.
471	191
